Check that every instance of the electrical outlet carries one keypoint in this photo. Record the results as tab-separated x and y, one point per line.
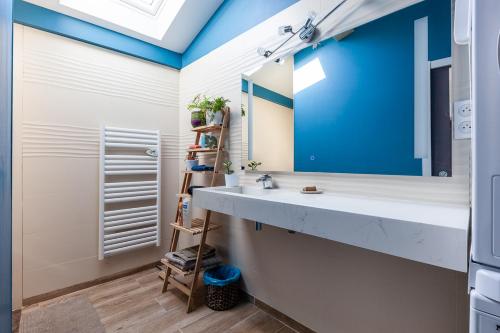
462	120
464	109
465	127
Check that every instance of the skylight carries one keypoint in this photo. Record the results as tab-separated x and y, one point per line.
151	18
307	75
150	7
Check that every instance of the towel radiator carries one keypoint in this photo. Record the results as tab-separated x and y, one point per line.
129	181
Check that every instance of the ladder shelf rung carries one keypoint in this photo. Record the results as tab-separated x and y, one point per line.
204	150
176	283
208	172
207	128
196	227
176	269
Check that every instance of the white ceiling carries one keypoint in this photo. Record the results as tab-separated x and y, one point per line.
191	18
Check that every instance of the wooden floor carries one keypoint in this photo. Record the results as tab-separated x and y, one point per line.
135	304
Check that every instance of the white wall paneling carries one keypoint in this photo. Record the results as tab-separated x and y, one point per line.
64	90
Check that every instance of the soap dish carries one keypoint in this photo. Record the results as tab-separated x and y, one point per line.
318	191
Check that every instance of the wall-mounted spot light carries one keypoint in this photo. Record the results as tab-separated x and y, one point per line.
263	52
285	29
280	61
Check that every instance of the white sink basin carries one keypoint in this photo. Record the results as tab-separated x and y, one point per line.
246	190
425	232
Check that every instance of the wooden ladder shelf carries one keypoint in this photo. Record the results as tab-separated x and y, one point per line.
198	226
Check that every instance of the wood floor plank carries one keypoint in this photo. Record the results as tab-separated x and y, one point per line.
134	316
286	329
124	302
172	299
135	304
260	322
173	320
220	321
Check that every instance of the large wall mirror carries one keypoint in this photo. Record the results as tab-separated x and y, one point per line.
373	100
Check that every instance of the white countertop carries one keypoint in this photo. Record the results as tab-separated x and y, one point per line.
425	232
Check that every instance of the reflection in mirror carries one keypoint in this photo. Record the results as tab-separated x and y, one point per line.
373	101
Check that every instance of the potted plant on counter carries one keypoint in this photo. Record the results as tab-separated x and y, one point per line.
253	165
231	178
198	117
215	112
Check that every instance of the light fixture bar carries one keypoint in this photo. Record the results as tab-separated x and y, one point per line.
306	32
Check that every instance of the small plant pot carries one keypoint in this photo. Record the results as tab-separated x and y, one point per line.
215	118
191	163
232	180
198	118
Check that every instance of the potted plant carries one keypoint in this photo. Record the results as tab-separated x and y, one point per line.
198	117
253	165
215	111
231	178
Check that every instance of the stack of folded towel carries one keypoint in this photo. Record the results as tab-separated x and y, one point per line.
185	259
202	167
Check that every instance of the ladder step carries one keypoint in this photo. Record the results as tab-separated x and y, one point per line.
202	172
196	227
207	128
177	284
176	269
204	150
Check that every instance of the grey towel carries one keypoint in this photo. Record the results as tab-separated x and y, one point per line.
186	255
206	263
190	253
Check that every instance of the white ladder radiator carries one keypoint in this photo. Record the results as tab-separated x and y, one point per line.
129	181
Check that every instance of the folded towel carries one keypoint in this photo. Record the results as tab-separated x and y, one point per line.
206	263
190	254
202	167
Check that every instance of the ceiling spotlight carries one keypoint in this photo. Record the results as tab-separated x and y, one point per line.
309	30
280	61
284	29
263	52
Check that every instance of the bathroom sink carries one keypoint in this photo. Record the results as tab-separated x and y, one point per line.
246	190
425	232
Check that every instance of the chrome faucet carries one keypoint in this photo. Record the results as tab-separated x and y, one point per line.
267	181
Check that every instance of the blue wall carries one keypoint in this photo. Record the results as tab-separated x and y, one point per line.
360	118
268	95
5	165
231	19
50	21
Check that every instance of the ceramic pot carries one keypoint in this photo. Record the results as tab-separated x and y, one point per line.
232	180
214	118
198	118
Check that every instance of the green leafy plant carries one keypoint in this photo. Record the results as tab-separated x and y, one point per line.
227	167
195	103
205	103
219	103
216	104
253	165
